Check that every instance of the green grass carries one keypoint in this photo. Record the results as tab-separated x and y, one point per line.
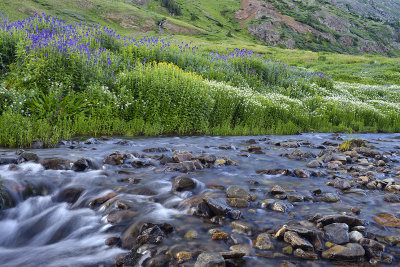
123	87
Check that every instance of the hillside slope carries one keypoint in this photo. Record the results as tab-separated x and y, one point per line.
341	26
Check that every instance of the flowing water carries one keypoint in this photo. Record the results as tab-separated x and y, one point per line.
44	228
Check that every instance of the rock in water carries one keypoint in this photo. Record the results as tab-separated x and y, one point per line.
349	252
263	242
337	233
208	259
56	164
182	183
296	241
235	191
388	220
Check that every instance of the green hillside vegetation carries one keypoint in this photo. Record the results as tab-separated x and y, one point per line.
60	80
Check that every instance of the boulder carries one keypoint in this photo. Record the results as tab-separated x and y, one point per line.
182	183
337	233
210	259
235	191
348	252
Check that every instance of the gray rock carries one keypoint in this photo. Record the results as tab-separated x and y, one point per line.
373	249
235	191
355	236
314	164
263	242
56	164
329	197
277	190
295	197
337	233
28	156
349	220
4	161
279	206
349	252
296	241
341	184
306	255
182	183
301	173
209	259
391	198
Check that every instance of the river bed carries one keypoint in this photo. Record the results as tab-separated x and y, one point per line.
172	200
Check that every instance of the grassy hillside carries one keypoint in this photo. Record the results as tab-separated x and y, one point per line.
310	25
60	80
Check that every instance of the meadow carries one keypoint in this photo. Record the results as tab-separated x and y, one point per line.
59	80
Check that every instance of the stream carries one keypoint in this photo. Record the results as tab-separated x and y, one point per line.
177	201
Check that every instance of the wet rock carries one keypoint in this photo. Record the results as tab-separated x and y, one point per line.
120	215
241	227
325	156
191	234
296	241
314	164
183	256
182	183
157	261
373	249
349	220
301	173
341	184
279	206
208	207
388	220
306	255
289	144
237	202
182	156
165	160
295	197
128	259
254	149
274	172
156	150
56	164
355	236
210	259
337	233
391	198
348	252
4	161
187	166
6	199
28	156
83	164
153	233
367	152
235	191
277	190
142	191
206	158
102	200
263	242
232	255
112	241
217	207
225	147
241	248
329	197
115	158
70	195
219	236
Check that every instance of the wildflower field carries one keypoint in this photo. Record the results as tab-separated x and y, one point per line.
59	80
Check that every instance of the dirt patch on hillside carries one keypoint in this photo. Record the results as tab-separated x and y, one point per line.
178	29
130	22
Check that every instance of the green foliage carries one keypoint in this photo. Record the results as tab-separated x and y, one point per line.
172	6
